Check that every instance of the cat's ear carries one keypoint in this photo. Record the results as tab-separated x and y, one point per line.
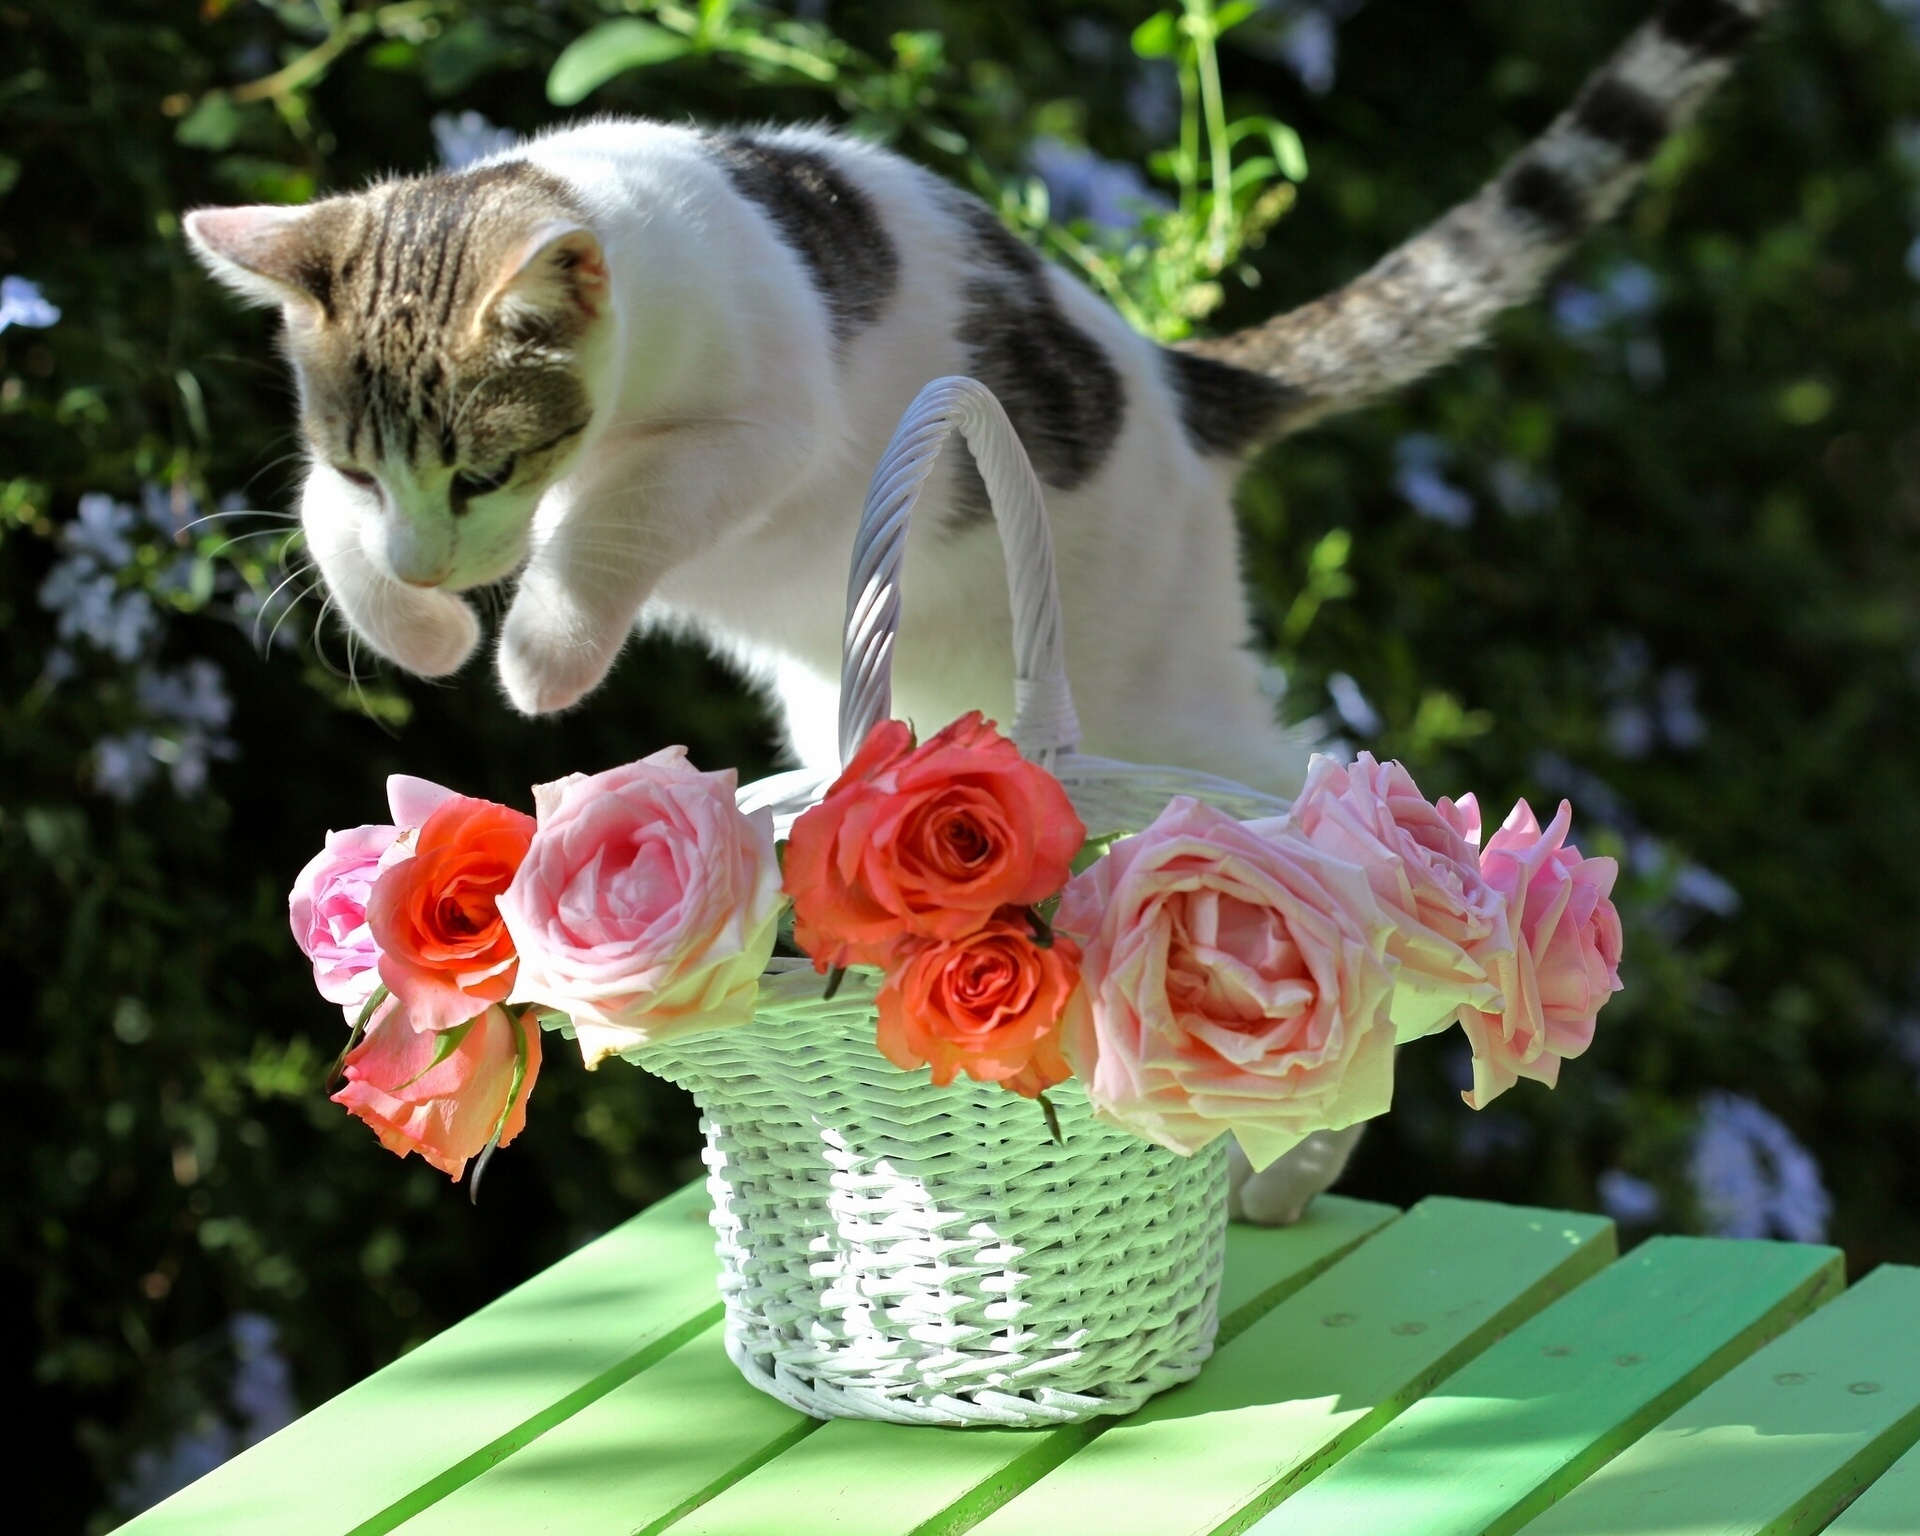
555	280
269	255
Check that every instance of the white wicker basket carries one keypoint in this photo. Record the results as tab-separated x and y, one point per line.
893	1250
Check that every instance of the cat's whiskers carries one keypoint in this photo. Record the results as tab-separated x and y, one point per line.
305	568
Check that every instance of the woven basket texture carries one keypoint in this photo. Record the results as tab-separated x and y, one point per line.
893	1250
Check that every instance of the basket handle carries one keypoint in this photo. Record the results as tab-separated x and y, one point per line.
1044	724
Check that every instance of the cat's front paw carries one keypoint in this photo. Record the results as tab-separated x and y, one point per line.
547	666
430	633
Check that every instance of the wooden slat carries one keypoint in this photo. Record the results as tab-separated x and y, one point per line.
1318	1375
1779	1443
1891	1507
860	1479
1528	1420
651	1449
389	1446
1266	1265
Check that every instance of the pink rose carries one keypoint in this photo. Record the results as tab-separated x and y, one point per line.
413	800
646	905
328	903
328	910
443	1094
1232	981
1450	933
1568	938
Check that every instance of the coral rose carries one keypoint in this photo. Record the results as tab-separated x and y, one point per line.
442	1095
1450	936
1568	938
926	842
328	910
443	950
647	905
1232	981
989	1004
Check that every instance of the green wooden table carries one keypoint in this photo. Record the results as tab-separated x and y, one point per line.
1462	1368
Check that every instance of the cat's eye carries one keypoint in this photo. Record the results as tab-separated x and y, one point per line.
468	483
358	477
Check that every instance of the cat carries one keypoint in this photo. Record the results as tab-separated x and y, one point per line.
648	369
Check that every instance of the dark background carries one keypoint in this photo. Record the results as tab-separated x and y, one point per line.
1666	566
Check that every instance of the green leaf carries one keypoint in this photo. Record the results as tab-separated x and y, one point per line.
214	124
1157	36
1289	151
612	48
445	1043
459	56
1094	849
1230	16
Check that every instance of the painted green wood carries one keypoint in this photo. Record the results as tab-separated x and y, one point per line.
1318	1375
1266	1265
860	1479
1524	1423
1891	1507
1781	1441
654	1447
389	1446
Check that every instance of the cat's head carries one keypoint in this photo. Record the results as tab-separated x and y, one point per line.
445	332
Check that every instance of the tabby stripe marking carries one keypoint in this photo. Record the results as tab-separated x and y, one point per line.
1548	198
1714	27
1621	115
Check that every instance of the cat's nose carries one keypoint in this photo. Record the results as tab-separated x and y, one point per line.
420	557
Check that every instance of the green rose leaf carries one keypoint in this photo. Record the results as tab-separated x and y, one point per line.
613	48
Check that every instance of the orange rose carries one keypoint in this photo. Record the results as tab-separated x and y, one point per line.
988	1004
442	1095
926	842
444	952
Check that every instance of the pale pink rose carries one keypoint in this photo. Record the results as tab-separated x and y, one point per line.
646	905
413	800
328	903
1450	927
1567	935
328	909
1231	981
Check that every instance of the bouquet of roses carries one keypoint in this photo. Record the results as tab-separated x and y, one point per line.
1198	975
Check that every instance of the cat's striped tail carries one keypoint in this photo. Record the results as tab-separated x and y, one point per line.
1435	296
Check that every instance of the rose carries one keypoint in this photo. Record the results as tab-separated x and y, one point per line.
989	1004
1450	936
443	1095
328	910
1232	981
328	903
443	950
413	800
1567	935
926	842
647	904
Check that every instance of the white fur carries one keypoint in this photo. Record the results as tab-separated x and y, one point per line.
720	483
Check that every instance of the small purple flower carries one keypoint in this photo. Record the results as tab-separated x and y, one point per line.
1422	485
1109	194
1752	1177
22	303
1632	1202
468	137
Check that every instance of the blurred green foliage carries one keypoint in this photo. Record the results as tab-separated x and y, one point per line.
1653	547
